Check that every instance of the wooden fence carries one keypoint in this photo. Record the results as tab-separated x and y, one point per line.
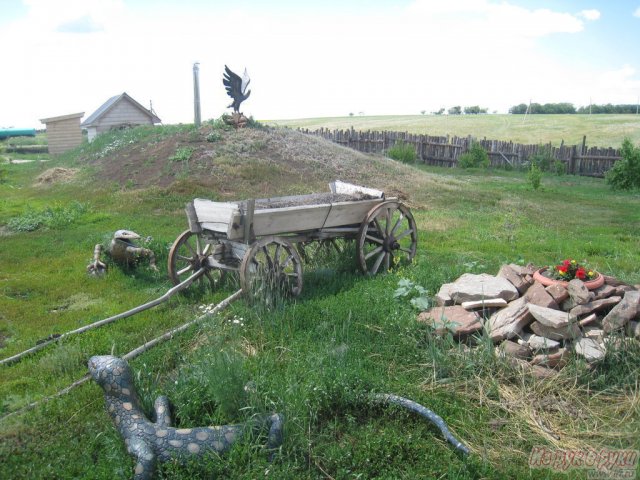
445	151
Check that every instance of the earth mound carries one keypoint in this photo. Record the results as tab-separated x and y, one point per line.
250	162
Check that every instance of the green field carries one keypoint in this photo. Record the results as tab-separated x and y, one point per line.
316	358
601	130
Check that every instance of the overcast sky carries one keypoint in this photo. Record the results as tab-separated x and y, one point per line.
311	59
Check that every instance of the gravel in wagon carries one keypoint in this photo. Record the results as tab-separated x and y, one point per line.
312	199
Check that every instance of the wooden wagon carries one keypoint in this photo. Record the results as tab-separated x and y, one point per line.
265	239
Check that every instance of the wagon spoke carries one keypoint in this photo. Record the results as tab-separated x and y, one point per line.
387	217
287	261
267	256
404	234
386	261
374	239
188	245
405	250
378	226
184	270
395	227
186	259
376	265
372	253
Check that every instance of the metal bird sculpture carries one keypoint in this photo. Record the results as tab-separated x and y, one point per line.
236	87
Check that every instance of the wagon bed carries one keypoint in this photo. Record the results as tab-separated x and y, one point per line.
267	236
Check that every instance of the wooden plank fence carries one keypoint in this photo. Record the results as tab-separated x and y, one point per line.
445	151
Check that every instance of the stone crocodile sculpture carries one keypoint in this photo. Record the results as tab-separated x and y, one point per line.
123	251
151	442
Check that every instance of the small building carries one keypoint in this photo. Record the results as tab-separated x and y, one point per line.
117	112
63	132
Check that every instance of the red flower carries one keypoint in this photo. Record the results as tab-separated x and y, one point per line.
581	273
562	268
566	263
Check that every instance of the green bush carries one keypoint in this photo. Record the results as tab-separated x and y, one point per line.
183	154
534	176
543	159
625	173
402	152
475	157
559	167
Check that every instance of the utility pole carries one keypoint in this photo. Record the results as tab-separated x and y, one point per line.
196	94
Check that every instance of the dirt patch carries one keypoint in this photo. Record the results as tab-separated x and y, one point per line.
56	175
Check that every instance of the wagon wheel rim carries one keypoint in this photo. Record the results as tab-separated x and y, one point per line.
388	237
187	255
271	266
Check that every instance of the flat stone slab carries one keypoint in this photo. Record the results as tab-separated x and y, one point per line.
578	292
594	306
550	317
538	295
455	319
557	359
470	287
509	322
623	312
443	297
510	348
537	343
563	333
558	292
513	274
603	292
478	304
588	348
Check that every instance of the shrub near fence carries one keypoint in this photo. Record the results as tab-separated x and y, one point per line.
445	151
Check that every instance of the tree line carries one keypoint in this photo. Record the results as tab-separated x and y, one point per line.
551	108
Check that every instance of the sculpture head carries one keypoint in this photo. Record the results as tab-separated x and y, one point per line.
126	235
111	373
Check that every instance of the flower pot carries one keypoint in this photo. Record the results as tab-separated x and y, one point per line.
546	281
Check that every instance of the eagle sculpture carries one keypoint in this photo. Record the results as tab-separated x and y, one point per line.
236	87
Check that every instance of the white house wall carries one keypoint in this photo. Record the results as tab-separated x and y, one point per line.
123	113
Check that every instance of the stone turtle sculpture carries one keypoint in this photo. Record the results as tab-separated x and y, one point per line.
151	442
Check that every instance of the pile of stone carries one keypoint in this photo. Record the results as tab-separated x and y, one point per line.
536	326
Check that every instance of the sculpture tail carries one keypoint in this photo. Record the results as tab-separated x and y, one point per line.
426	413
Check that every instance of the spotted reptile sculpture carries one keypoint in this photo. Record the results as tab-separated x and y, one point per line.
123	251
152	442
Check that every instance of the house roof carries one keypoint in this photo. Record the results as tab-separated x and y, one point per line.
61	117
109	104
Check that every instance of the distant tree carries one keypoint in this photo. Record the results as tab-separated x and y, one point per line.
439	112
608	108
519	109
474	110
457	110
547	108
351	114
423	112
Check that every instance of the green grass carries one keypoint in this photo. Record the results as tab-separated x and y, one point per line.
601	130
315	358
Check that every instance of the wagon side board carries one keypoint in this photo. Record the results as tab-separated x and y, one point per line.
302	218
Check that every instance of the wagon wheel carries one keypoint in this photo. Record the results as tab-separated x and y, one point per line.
271	266
387	237
186	257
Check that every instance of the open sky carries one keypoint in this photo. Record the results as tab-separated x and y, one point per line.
315	58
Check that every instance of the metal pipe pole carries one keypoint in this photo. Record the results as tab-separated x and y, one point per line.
196	94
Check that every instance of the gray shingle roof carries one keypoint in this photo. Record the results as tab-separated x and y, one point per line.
106	106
